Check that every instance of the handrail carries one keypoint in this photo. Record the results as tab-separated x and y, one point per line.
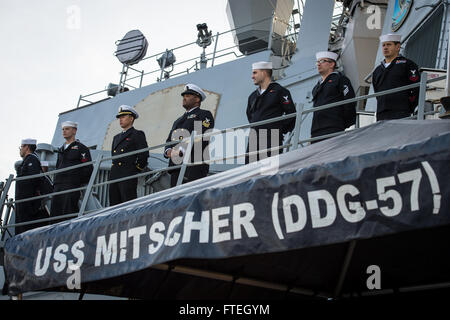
209	134
142	73
212	53
195	137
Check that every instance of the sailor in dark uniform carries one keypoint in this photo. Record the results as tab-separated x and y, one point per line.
393	72
332	87
29	210
193	119
269	100
71	153
128	140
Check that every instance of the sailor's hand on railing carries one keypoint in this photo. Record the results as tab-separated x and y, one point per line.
181	151
177	152
43	203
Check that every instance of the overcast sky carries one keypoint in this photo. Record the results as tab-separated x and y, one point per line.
54	50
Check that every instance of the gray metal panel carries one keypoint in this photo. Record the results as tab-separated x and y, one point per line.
313	36
360	45
423	46
242	13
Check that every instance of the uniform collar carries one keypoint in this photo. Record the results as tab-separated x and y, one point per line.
392	62
127	130
192	109
323	80
258	90
62	147
33	154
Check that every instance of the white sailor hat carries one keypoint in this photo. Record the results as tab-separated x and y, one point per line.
29	141
390	37
262	65
69	124
327	55
193	89
124	109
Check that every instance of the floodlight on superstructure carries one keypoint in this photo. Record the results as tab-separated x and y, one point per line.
165	61
204	39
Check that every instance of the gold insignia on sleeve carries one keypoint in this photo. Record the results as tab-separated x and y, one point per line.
206	123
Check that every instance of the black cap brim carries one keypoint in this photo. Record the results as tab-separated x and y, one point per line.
195	93
125	113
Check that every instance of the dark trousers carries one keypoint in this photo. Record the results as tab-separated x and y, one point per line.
29	211
260	140
192	173
323	132
391	115
124	191
65	203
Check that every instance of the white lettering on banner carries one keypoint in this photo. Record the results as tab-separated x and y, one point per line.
108	247
324	196
60	258
235	222
156	236
77	253
41	270
389	202
415	176
172	239
202	226
220	223
106	250
297	202
123	246
434	186
136	234
384	195
359	213
243	221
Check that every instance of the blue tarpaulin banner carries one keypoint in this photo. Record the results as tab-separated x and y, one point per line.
383	179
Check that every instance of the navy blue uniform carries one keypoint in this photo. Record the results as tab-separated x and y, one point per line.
29	210
76	153
186	121
399	73
274	102
128	141
336	87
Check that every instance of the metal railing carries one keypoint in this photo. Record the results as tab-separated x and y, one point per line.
292	144
211	57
